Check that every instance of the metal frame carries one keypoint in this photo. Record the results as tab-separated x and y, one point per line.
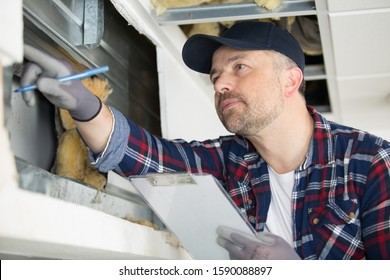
234	11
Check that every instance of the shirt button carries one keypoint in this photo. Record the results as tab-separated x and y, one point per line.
250	201
316	221
351	215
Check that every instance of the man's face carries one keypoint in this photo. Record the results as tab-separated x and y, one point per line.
248	93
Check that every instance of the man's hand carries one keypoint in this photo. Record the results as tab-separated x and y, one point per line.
266	246
43	69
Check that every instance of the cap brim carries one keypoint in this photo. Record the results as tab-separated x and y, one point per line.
199	49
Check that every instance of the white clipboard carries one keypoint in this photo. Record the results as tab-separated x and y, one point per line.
192	207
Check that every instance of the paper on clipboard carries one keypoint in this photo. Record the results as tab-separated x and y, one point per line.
192	207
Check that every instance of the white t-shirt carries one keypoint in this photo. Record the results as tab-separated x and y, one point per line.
279	220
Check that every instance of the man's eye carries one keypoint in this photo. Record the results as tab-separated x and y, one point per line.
240	66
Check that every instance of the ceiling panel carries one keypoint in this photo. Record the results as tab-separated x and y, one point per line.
361	43
348	5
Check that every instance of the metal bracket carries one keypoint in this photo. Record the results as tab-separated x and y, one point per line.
79	23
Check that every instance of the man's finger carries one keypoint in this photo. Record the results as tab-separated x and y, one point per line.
30	75
234	250
54	67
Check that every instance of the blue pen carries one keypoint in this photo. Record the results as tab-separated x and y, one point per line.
75	76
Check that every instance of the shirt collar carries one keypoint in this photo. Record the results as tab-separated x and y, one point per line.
321	144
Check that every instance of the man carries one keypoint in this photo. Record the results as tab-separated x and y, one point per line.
311	188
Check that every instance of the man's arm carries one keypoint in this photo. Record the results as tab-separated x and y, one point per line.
96	132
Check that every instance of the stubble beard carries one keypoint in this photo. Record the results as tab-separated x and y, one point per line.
247	120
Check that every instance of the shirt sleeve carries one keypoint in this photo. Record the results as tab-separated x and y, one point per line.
376	207
116	145
132	150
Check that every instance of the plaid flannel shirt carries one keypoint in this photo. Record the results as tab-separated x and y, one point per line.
341	197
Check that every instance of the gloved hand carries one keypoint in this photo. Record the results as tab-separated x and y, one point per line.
43	69
266	246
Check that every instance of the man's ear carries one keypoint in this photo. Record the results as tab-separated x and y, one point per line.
294	80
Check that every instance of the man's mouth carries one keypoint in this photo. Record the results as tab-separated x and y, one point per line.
228	104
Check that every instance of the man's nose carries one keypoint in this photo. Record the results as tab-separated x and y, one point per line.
223	84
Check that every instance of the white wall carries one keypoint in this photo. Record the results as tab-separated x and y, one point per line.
187	105
11	51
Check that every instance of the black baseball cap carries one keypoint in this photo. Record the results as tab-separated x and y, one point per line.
199	49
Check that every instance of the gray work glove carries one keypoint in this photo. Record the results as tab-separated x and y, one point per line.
43	69
265	246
